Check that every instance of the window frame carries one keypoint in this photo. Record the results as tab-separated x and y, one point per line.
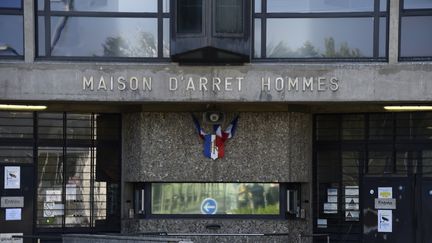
15	12
46	14
283	214
418	12
376	14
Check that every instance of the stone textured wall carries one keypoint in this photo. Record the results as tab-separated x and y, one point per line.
290	227
266	147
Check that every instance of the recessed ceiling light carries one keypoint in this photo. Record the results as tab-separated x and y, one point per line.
23	107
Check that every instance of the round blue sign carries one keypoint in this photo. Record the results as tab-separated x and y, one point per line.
209	206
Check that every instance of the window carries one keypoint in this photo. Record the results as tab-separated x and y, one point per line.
415	34
215	198
229	16
189	16
11	29
103	29
323	29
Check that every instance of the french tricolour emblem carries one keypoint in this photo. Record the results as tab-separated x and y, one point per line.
214	143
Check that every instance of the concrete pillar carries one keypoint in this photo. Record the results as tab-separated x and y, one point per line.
29	30
394	31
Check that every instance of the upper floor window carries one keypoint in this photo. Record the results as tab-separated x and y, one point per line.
320	29
103	29
415	30
11	29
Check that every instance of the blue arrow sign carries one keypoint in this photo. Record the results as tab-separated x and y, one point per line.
209	206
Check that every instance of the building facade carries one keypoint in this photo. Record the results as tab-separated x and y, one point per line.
217	120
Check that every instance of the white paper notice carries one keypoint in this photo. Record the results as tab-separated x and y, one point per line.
53	195
12	177
71	192
7	238
385	192
13	214
385	221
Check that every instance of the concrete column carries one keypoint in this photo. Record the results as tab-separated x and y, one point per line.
29	31
394	31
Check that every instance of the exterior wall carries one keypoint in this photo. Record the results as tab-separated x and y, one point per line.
267	147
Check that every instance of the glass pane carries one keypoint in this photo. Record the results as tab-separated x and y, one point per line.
327	38
166	37
79	126
380	162
11	35
9	154
258	6
327	127
230	198
78	186
229	16
427	163
383	5
416	36
16	125
415	4
40	4
41	36
105	5
381	126
353	127
50	125
166	6
402	163
257	38
189	16
10	4
313	6
50	206
350	168
383	37
107	37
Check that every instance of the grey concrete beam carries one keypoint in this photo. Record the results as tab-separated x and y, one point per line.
394	31
29	30
63	82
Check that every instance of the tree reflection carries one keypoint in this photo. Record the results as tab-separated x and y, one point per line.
146	46
282	50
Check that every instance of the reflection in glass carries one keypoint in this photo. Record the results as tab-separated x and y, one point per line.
380	126
353	127
166	6
11	4
427	163
166	37
50	207
10	154
416	36
327	127
79	126
11	44
328	38
257	38
417	4
380	162
189	16
16	125
105	5
258	6
109	37
41	37
383	5
231	198
313	6
40	4
383	37
50	126
229	16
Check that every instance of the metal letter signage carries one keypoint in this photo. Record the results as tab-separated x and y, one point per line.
214	143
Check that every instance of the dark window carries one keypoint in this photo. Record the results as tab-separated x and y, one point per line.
323	29
11	29
189	16
415	30
229	16
106	30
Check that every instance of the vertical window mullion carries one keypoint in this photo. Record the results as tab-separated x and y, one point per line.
64	170
376	29
92	165
47	10
159	29
263	28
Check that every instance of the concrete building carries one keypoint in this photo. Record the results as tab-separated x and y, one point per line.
217	120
